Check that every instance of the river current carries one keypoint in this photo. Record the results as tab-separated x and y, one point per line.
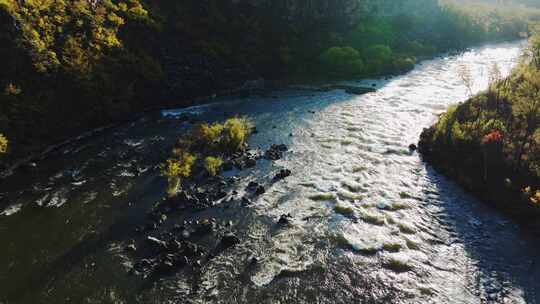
371	223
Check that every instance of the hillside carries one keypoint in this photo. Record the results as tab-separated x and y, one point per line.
490	144
69	66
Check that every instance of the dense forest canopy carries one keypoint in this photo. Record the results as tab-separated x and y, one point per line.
70	65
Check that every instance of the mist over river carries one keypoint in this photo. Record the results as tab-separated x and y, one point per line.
370	222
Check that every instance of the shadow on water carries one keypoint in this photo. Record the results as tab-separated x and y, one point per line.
505	256
72	252
87	248
77	263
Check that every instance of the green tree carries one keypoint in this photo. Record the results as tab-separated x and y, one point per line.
342	62
379	57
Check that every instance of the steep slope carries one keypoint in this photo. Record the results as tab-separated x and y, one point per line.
491	143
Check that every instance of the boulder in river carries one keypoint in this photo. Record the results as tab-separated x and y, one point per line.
284	219
131	247
229	240
252	261
252	185
282	174
205	226
275	152
260	190
250	162
246	201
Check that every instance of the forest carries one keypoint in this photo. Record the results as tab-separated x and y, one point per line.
73	65
269	151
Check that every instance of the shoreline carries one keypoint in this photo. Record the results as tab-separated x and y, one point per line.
244	91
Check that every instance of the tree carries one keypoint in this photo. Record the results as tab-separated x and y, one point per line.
495	74
526	108
342	62
465	75
379	58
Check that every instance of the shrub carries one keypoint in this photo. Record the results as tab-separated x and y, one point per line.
176	168
208	134
3	144
235	133
213	165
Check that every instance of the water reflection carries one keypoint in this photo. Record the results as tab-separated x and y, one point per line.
370	223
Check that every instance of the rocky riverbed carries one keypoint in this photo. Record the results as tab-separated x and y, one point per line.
329	204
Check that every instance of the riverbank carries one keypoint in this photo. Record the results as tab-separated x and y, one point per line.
258	88
139	57
369	222
37	151
488	144
503	189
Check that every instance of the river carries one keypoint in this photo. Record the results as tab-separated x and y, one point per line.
408	235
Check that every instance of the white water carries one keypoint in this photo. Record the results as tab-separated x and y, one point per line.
416	232
409	235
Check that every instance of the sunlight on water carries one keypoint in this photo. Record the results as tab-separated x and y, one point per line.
362	172
369	221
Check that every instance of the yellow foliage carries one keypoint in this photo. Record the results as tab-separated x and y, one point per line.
3	144
96	29
535	199
173	183
203	140
122	7
115	19
213	165
235	133
209	134
137	10
231	135
176	168
180	167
